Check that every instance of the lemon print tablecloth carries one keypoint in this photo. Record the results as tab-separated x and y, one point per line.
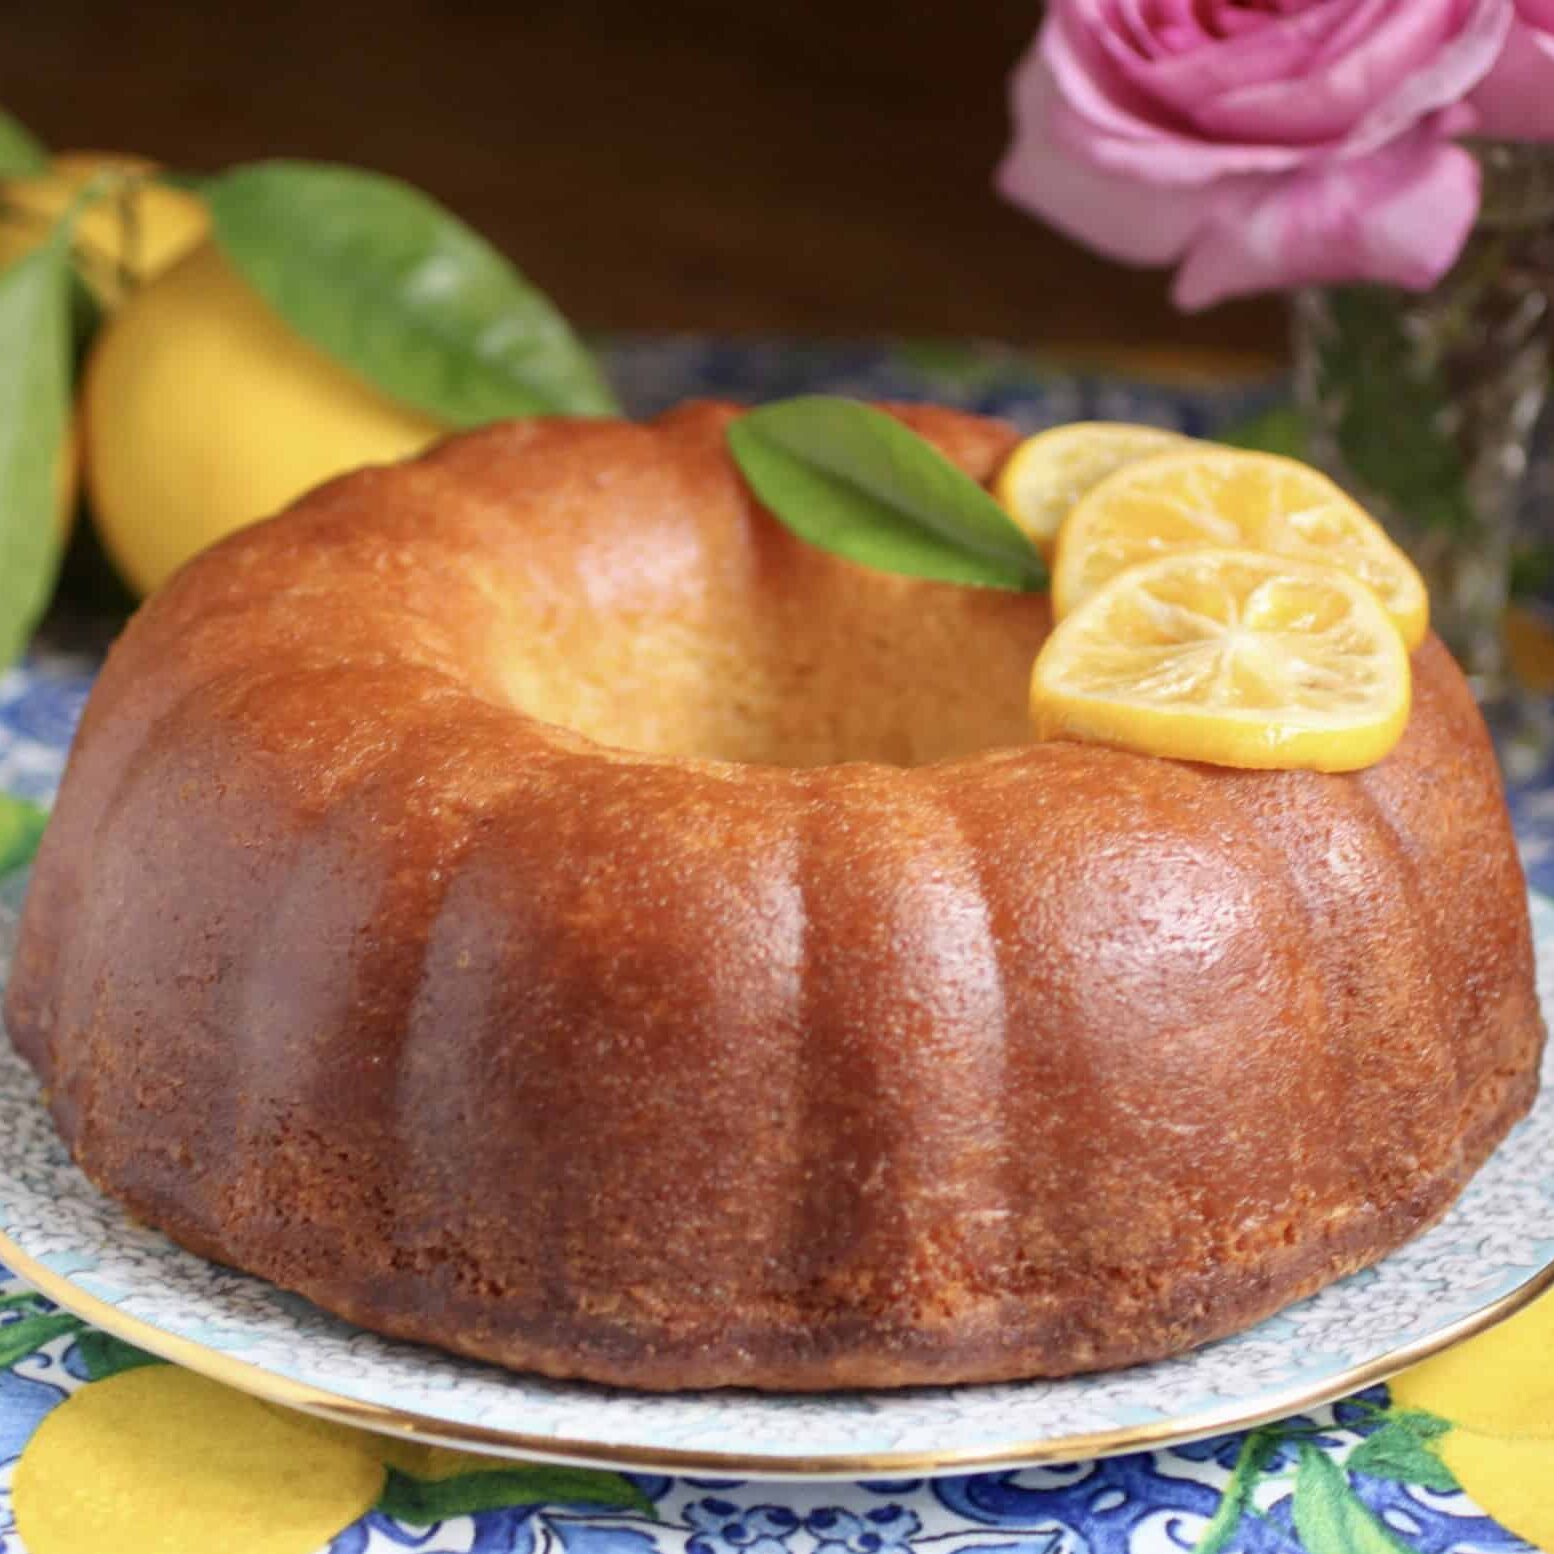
106	1450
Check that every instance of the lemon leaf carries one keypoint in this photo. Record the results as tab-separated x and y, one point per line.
421	1502
1330	1518
21	829
21	152
34	405
854	481
394	288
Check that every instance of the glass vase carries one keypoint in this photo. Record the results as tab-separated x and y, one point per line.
1424	406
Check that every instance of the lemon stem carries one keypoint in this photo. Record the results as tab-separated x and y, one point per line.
85	258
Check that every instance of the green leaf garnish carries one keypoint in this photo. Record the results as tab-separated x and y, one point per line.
21	152
1330	1518
393	287
423	1501
852	480
35	341
21	829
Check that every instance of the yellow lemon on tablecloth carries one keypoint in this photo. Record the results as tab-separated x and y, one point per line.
206	411
1500	1383
1047	474
1511	1479
1230	656
117	241
1214	497
1498	1392
158	1460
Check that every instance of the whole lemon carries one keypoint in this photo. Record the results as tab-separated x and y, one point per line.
163	225
205	411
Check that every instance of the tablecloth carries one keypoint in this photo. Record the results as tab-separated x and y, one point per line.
106	1450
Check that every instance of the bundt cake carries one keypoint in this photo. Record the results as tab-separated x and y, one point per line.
527	901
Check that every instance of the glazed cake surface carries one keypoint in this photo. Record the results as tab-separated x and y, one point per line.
527	901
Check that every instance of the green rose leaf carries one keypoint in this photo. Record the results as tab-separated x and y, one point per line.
34	406
21	152
103	1355
1401	1450
27	1336
423	1501
393	287
852	480
21	829
1330	1518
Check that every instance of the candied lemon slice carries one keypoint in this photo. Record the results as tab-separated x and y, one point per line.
1048	473
1235	657
1223	497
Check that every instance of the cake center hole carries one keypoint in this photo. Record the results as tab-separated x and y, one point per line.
910	688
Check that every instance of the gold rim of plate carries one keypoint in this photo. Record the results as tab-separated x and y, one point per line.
409	1425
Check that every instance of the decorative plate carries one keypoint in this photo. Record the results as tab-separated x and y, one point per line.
1490	1255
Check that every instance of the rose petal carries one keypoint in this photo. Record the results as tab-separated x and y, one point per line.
1399	216
1087	79
1229	19
1360	21
1515	101
1138	30
1462	62
1276	59
1109	122
1120	217
1324	100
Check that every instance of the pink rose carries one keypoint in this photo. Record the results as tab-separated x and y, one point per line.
1516	99
1257	143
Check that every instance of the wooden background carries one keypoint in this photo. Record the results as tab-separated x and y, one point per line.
820	166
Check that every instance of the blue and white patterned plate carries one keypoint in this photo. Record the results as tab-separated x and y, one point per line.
1494	1249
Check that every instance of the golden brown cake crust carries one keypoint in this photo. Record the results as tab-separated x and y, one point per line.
671	1071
